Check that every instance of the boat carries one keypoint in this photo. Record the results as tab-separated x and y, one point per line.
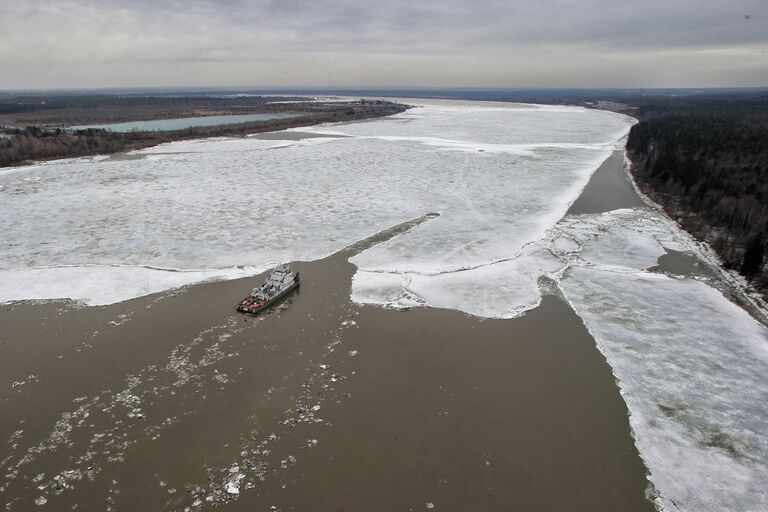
280	283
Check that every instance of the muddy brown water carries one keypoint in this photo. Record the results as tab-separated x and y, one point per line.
320	404
608	189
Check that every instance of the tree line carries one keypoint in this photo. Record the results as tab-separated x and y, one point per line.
705	160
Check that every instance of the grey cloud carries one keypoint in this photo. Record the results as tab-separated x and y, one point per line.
253	34
449	23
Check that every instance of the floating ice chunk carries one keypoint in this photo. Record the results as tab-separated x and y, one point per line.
622	247
501	290
377	287
565	245
232	487
622	238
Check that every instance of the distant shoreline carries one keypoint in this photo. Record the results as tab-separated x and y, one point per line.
39	143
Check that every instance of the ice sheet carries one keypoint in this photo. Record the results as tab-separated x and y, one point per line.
690	363
100	285
692	368
223	203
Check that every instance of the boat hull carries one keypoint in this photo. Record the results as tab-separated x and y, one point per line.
258	309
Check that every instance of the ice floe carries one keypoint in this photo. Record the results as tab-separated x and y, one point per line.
691	366
503	288
99	284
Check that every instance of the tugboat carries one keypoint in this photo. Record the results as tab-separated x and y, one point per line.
279	284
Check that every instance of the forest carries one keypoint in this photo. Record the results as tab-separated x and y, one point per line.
705	160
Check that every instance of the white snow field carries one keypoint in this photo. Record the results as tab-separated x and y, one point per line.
690	364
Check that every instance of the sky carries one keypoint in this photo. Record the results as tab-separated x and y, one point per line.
392	43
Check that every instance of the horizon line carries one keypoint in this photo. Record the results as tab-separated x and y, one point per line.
288	88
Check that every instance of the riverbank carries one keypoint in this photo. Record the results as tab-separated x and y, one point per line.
721	248
704	162
733	284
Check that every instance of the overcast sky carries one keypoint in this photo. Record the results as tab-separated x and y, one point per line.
446	43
